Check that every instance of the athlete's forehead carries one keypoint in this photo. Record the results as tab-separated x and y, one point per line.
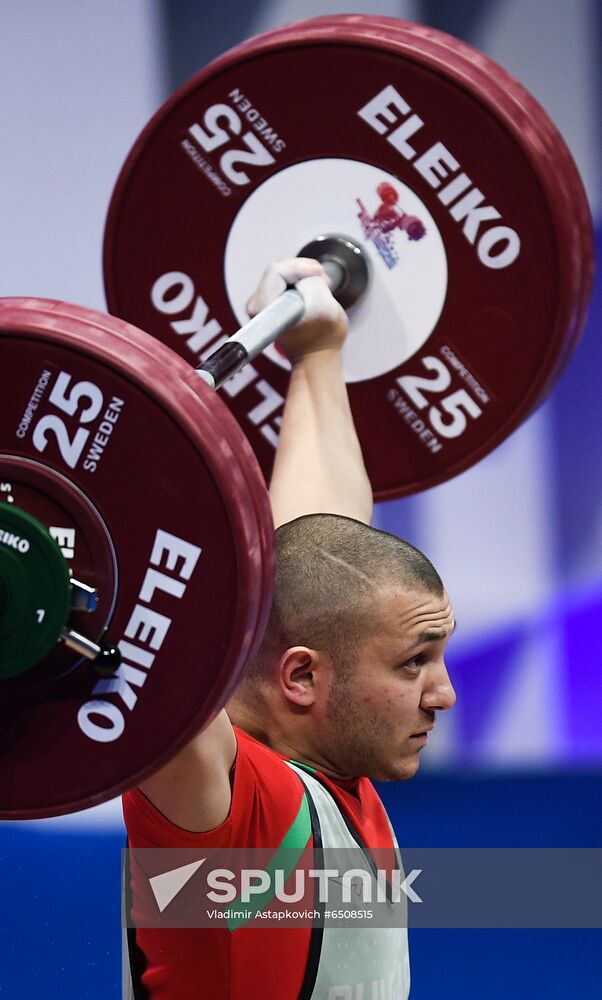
415	616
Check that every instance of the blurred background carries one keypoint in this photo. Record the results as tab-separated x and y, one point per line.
517	539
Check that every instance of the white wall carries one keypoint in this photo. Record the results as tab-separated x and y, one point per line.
78	80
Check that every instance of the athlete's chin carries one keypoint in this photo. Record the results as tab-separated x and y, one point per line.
400	770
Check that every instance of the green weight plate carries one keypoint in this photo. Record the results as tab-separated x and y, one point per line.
35	591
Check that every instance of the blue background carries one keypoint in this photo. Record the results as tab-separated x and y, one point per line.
61	909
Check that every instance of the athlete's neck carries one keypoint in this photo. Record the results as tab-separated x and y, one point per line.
254	725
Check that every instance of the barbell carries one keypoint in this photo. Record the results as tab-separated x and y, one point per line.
136	550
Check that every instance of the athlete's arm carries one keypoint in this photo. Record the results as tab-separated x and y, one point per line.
193	789
319	469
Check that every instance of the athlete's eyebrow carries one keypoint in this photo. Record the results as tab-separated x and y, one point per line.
433	635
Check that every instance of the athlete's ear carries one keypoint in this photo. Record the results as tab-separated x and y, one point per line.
301	674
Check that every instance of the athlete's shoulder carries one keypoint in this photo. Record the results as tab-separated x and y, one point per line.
266	795
258	764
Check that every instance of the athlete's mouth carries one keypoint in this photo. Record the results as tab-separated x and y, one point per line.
423	734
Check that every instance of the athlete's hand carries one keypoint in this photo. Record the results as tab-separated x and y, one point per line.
324	324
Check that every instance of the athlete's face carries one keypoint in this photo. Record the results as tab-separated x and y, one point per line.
379	715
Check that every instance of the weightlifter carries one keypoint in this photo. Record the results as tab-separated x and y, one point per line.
346	684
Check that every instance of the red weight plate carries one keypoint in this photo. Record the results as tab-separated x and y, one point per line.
173	500
467	323
241	452
545	147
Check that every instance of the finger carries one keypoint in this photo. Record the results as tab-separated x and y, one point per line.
277	277
319	302
272	284
296	268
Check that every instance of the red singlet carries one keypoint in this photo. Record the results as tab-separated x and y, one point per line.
250	963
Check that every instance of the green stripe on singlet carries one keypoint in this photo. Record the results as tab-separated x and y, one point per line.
285	857
304	767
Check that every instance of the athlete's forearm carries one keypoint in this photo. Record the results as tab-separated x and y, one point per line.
319	466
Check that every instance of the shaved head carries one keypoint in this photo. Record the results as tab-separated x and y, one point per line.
330	571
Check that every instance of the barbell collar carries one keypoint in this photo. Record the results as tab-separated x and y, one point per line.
103	657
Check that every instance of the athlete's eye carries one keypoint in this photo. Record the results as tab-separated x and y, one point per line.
414	665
